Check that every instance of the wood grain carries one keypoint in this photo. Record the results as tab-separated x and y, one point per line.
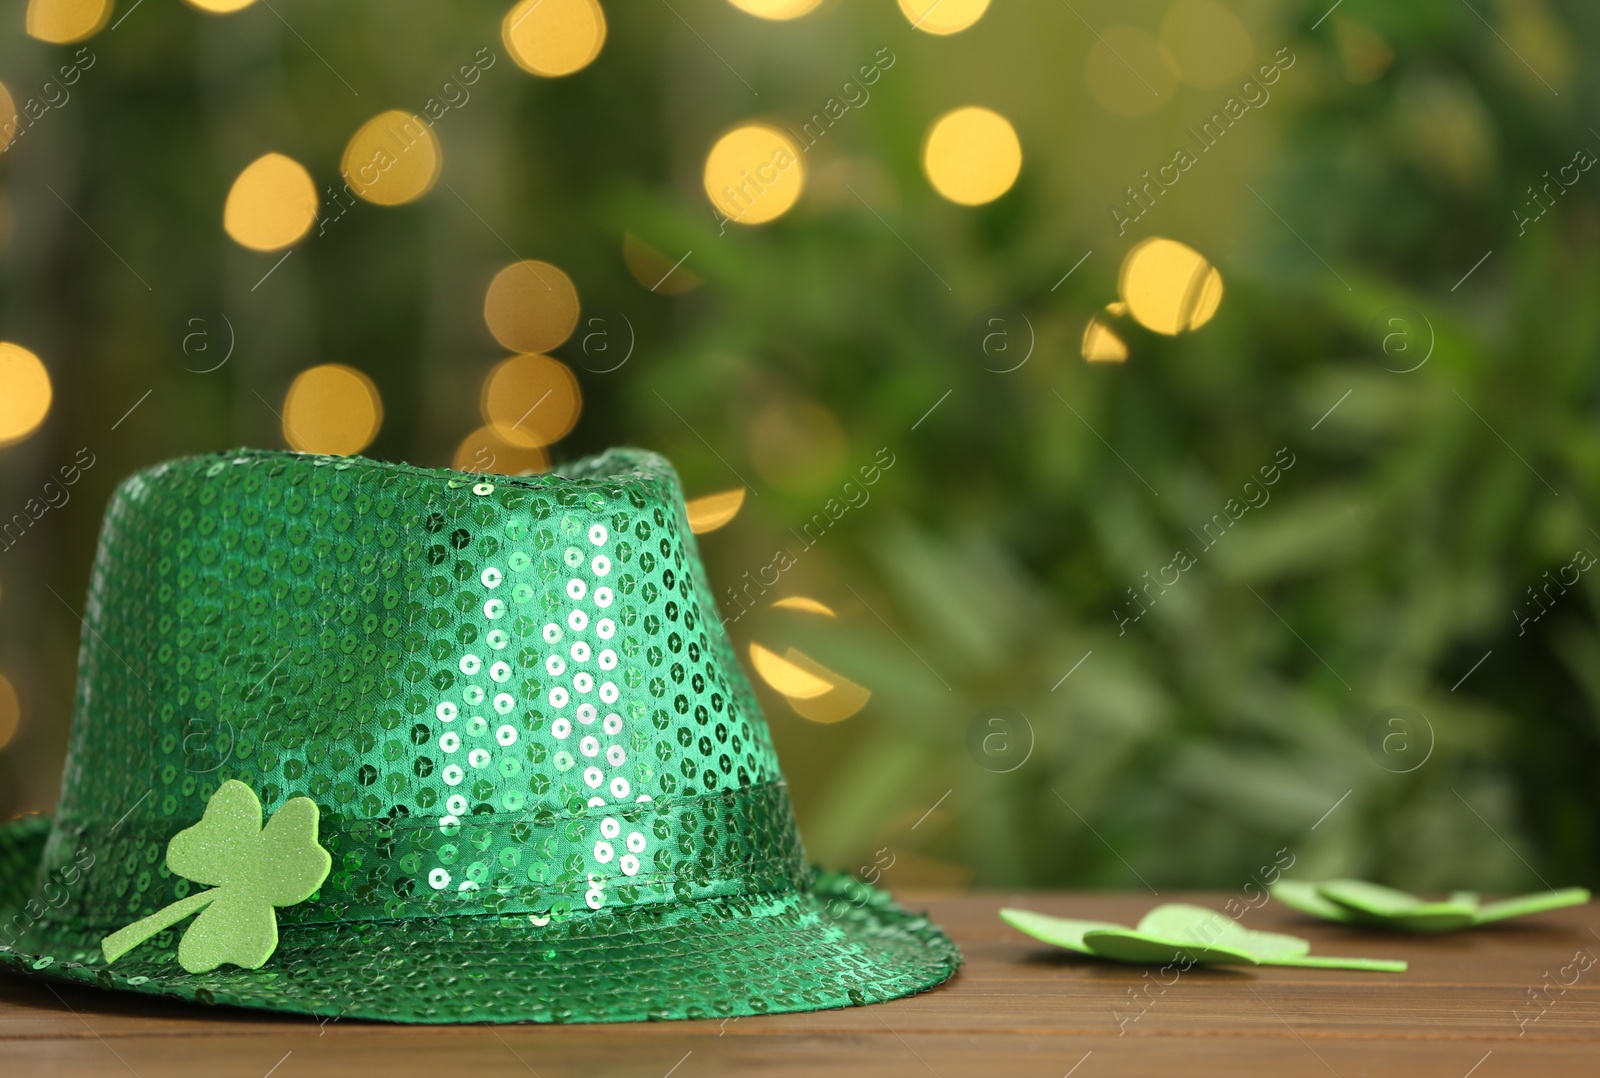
1016	1008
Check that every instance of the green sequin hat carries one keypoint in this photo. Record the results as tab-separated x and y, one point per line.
510	767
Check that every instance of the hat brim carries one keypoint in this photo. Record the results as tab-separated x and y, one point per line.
839	944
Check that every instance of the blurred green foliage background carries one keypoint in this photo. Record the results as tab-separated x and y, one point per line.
1186	747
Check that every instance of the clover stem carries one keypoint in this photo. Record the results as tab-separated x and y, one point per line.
126	939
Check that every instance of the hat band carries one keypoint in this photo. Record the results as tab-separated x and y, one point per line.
736	842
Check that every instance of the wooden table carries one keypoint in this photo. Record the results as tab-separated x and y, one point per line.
1016	1008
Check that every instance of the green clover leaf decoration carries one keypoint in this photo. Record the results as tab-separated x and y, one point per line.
1357	902
1181	934
249	870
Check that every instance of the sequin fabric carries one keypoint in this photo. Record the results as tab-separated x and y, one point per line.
546	785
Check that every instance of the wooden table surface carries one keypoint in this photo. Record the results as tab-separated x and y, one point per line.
1488	1003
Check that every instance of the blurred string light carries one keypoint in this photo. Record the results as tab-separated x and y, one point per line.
531	401
655	270
712	511
392	159
531	307
776	9
943	16
971	155
788	678
220	7
754	174
1207	42
554	37
1169	286
271	205
10	711
331	409
25	393
485	451
1129	72
61	22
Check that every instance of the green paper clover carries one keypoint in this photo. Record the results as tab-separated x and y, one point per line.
249	869
1357	902
1186	935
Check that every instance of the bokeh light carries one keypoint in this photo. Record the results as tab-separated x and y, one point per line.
972	155
10	711
943	16
61	22
531	306
843	699
272	204
25	393
806	604
754	174
392	159
531	400
786	677
655	270
1169	286
776	9
1101	343
554	37
220	7
8	110
1207	41
1129	72
712	511
331	409
485	451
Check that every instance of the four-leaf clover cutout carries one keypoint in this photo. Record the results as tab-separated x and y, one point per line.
249	870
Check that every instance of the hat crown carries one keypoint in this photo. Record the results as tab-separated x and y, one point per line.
508	696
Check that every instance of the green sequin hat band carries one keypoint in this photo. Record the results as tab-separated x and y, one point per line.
429	747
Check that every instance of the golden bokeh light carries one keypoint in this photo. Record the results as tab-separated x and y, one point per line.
655	270
1169	286
531	306
842	700
971	155
943	16
484	451
8	111
754	174
220	7
777	10
554	37
785	677
803	602
331	409
392	159
272	204
10	711
61	22
1101	343
1207	41
1129	72
708	513
25	393
531	400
